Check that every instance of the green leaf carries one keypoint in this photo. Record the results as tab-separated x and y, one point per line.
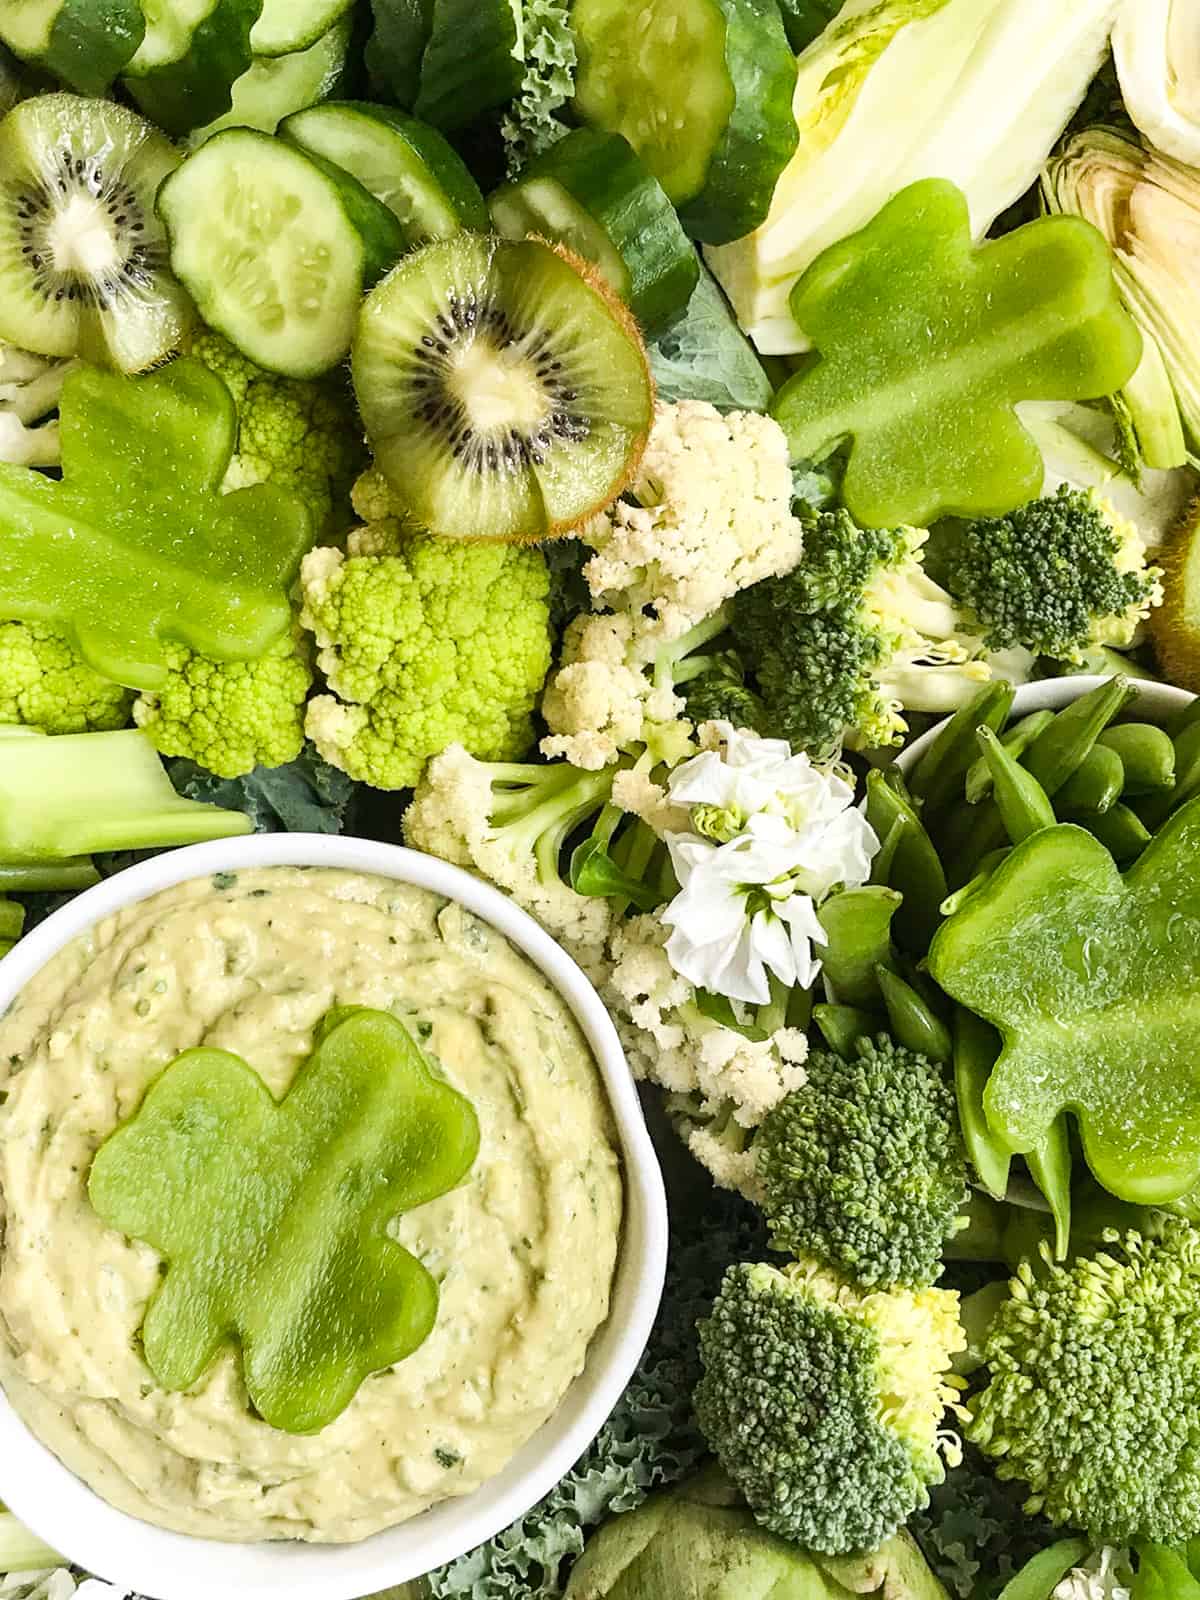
273	1217
1090	978
706	356
137	545
1163	1574
594	872
1038	1579
927	342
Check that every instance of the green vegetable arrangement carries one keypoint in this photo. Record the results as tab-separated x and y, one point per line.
585	442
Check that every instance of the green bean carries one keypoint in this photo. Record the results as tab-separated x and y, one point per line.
1146	753
954	902
1096	784
1016	740
1050	1168
1022	802
881	867
857	924
1119	829
1059	749
976	1047
914	1023
1156	808
1038	1578
984	832
914	868
938	776
844	1026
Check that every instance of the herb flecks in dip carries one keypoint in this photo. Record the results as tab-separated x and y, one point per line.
523	1252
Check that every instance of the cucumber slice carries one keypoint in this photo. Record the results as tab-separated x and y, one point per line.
395	48
285	26
702	89
194	50
277	86
10	82
474	60
276	248
86	43
592	192
404	163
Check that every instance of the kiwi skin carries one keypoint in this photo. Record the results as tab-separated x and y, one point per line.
1175	625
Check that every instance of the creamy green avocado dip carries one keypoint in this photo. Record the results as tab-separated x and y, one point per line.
524	1250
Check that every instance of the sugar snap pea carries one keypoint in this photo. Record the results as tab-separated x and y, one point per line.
1096	783
1183	719
1039	1577
1060	748
844	1026
1050	1168
914	868
913	1022
881	867
983	872
972	833
976	1047
1022	802
1119	829
1156	808
1016	740
1146	753
857	924
938	776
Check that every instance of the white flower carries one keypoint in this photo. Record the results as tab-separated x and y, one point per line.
751	775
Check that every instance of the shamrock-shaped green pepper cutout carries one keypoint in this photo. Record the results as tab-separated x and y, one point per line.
272	1216
1093	979
927	342
137	545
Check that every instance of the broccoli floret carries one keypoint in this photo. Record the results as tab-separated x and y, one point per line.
863	1167
231	716
825	1405
45	683
425	642
1093	1398
301	433
838	647
1059	576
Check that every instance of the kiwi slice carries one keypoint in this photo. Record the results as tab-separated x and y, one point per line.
83	258
1175	625
503	385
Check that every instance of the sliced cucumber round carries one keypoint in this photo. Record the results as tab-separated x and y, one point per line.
276	248
702	90
83	257
404	163
276	86
474	60
395	48
285	26
194	51
86	43
503	386
593	193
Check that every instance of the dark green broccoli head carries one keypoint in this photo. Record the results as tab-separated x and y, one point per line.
842	560
1093	1397
1057	576
863	1168
825	1406
722	695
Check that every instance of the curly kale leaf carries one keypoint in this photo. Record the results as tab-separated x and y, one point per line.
974	1533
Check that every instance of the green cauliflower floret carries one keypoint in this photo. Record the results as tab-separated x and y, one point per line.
45	683
824	1404
863	1167
301	433
231	716
836	649
1094	1391
1059	577
425	642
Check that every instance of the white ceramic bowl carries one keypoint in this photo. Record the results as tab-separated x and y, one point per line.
171	1566
1154	703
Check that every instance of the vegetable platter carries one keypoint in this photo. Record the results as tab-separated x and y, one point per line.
587	441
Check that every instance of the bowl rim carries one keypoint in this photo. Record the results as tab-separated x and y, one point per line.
119	1547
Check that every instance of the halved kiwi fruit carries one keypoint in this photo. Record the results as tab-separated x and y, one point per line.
503	385
1175	625
83	258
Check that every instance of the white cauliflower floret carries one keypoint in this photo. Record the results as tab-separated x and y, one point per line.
712	515
595	704
636	792
1106	1576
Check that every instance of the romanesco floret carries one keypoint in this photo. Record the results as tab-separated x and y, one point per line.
1093	1397
425	642
838	647
1059	576
509	822
231	716
296	432
863	1168
532	124
45	683
824	1405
